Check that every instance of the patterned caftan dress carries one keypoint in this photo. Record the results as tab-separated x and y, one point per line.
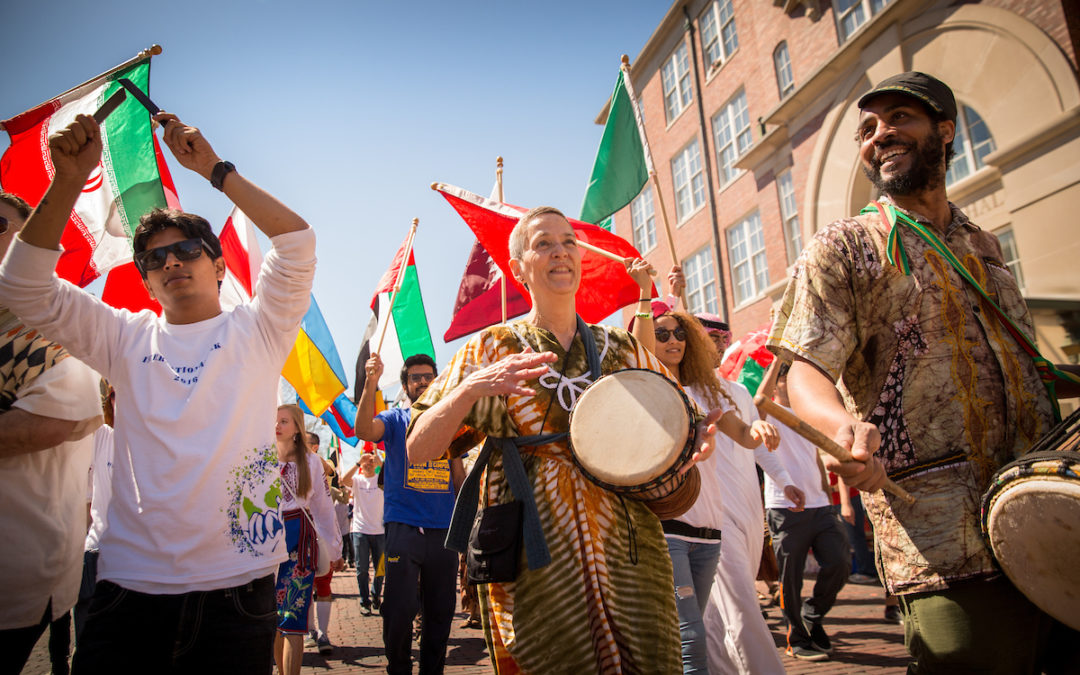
605	603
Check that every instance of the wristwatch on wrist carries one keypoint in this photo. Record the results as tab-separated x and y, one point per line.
217	176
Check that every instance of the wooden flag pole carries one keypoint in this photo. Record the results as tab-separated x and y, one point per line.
604	253
652	170
499	190
397	282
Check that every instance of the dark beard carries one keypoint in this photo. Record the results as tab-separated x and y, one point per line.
927	171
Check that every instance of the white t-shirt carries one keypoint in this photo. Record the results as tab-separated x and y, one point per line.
42	499
317	502
708	509
742	492
101	482
195	470
800	457
367	504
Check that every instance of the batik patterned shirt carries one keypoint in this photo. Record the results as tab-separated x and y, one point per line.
922	357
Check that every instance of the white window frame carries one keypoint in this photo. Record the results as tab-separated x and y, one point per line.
676	82
747	259
861	10
789	214
643	221
688	181
700	275
785	78
719	37
1010	254
739	140
969	156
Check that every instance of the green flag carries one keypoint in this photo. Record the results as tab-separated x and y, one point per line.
622	162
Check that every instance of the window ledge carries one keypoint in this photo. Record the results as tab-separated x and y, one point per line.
968	185
685	219
713	70
768	144
738	174
679	115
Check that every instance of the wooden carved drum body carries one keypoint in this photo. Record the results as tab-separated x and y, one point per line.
631	431
1031	519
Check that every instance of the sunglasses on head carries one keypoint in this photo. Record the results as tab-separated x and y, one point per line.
662	334
154	258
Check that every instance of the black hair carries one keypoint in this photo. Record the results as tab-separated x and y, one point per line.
16	202
416	360
936	117
191	225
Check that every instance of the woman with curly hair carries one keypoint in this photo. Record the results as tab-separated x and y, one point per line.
694	538
303	488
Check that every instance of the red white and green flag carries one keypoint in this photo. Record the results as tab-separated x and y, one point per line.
131	179
406	325
605	286
747	359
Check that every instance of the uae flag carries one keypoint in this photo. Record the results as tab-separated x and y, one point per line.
405	324
130	180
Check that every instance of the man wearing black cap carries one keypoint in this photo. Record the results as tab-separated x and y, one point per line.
898	357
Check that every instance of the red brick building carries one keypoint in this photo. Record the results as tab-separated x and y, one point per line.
750	113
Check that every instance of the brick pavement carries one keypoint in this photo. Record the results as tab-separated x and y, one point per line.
863	642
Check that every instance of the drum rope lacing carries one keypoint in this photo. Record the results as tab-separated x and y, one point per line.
567	389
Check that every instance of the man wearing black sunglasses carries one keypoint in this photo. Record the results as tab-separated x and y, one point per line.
185	575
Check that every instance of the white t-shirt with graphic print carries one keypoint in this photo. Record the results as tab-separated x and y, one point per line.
195	470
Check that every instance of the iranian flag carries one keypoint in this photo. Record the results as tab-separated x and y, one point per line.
406	326
605	286
130	180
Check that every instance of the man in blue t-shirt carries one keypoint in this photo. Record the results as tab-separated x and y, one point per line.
418	503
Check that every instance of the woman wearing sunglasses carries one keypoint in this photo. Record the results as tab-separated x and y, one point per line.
694	538
303	490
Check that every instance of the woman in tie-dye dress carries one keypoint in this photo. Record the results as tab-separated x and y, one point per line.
605	602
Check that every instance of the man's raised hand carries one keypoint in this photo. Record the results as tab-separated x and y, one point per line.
76	149
188	145
373	368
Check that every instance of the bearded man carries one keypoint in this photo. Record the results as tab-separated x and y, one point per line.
898	357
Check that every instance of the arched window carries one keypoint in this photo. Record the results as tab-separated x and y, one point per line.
973	142
785	81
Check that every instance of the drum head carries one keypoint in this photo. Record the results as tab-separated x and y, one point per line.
1034	529
629	427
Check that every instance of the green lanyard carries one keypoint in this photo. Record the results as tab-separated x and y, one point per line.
1048	372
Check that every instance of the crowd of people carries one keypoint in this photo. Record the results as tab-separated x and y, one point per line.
212	543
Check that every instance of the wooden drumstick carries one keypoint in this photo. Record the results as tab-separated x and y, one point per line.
792	421
609	255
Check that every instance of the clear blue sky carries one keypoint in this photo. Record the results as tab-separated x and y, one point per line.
347	111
